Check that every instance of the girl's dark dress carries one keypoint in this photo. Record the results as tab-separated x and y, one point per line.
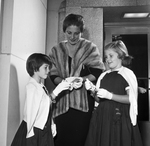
110	124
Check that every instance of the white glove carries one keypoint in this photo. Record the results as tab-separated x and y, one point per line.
77	83
103	93
54	131
64	85
89	85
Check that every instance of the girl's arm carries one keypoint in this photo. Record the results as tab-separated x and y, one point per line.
121	98
33	98
103	93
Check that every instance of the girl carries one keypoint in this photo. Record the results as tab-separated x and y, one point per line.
114	122
35	129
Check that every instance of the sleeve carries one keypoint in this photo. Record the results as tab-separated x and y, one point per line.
126	85
94	58
133	92
55	55
100	78
95	71
89	70
33	102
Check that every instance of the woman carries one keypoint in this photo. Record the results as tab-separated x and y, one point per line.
73	58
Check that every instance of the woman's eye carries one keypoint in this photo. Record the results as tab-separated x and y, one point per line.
111	56
68	32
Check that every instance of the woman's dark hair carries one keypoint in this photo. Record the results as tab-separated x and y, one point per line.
120	48
73	19
35	61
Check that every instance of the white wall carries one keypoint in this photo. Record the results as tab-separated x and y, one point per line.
52	30
23	33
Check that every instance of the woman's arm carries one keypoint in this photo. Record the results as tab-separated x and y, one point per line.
90	77
92	74
56	79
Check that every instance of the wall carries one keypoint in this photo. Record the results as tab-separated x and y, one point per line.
23	32
93	19
52	23
52	30
104	3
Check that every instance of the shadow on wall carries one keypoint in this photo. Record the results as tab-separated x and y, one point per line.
13	105
86	34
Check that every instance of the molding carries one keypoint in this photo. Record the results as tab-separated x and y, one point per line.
139	24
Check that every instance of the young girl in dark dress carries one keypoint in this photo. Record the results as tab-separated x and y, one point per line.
35	129
114	122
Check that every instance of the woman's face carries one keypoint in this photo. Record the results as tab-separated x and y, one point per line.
73	34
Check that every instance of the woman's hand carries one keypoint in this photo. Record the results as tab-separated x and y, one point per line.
75	82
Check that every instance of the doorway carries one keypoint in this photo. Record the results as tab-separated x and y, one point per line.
137	45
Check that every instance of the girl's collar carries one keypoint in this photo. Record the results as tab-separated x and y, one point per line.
39	84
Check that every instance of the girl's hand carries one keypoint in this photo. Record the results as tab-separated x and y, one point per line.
103	93
89	85
141	90
64	85
53	128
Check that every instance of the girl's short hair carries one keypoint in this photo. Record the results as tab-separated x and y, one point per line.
74	19
35	61
120	48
